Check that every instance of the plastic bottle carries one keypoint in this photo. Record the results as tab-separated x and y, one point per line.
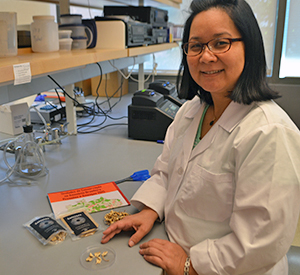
44	34
8	34
31	155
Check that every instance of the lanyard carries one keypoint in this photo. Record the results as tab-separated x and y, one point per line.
198	135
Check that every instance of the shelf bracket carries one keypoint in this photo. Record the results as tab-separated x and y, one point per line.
64	6
71	110
141	77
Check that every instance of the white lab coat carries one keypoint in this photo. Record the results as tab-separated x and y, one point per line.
233	201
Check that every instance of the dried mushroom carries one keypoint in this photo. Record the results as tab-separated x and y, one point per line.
114	216
98	256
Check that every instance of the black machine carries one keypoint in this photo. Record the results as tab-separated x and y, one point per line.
137	33
149	115
154	16
159	35
167	89
155	21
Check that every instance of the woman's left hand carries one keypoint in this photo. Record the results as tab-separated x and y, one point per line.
169	256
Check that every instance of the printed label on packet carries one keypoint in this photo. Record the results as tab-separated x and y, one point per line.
46	226
80	223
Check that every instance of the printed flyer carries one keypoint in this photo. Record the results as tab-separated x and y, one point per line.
92	198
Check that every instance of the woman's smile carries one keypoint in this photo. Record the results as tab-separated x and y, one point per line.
216	73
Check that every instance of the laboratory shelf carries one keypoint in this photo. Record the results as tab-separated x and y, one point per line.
67	67
49	62
100	3
151	49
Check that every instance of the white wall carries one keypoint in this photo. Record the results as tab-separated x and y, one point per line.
26	9
177	16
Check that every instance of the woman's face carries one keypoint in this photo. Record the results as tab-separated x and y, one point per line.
216	73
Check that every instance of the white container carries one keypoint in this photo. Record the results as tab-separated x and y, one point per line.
8	34
12	117
44	34
77	30
79	43
64	34
71	19
65	44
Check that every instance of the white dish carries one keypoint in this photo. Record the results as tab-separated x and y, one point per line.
65	44
64	34
77	30
92	265
79	43
71	19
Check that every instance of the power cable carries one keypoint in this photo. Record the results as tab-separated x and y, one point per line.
95	110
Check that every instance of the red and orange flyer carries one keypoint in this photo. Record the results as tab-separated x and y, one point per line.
91	198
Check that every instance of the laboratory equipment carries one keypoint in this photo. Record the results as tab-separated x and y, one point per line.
150	115
29	156
167	89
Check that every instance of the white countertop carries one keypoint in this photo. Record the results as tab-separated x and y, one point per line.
82	160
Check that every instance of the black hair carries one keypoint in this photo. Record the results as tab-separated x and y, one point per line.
252	84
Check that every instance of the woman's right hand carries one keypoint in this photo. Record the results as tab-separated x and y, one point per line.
141	222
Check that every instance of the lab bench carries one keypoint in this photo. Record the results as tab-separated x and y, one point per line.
81	160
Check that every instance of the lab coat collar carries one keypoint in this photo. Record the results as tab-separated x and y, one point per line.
231	117
233	114
195	107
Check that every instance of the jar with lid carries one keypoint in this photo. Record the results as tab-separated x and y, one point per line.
44	34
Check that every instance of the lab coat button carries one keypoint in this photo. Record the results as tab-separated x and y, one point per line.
180	171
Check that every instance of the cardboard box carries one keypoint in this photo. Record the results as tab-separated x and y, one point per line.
111	83
13	117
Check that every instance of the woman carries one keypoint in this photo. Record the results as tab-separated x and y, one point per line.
227	181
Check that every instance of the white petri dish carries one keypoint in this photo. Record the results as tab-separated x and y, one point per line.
92	265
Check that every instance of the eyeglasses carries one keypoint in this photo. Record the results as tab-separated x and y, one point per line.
217	45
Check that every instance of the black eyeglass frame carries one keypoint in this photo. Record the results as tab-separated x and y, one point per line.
231	40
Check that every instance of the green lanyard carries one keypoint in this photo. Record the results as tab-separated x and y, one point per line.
197	139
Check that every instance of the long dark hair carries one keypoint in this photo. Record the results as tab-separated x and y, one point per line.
252	84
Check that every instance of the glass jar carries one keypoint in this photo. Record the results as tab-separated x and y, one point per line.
31	160
44	34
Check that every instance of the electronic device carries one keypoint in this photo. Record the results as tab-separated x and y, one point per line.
154	16
159	35
139	34
149	115
50	112
121	33
167	89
